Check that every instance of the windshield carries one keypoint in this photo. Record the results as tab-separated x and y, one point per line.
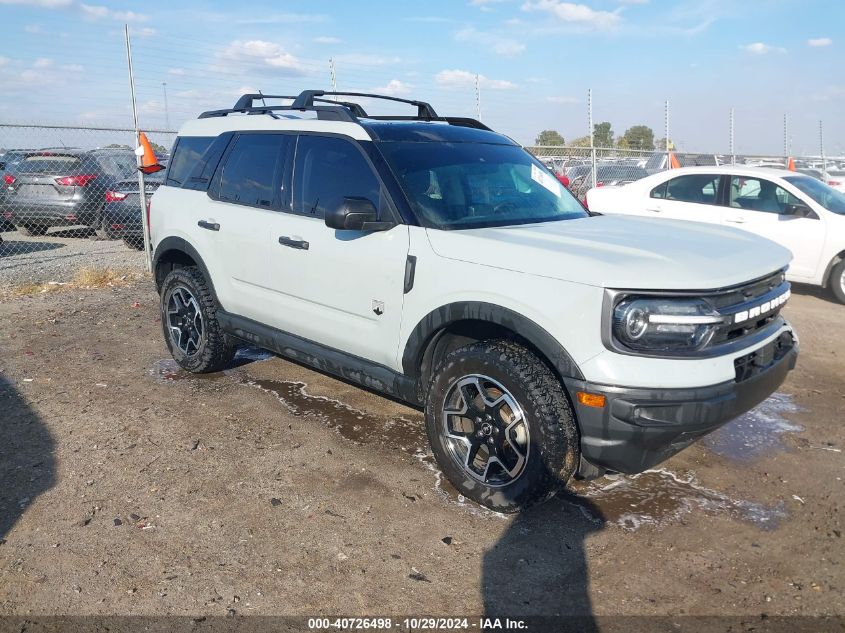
474	185
829	198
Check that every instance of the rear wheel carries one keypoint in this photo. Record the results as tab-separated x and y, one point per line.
31	229
837	281
189	321
500	425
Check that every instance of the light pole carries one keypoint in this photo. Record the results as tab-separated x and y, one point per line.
166	112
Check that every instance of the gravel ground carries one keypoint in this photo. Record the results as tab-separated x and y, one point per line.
130	487
58	255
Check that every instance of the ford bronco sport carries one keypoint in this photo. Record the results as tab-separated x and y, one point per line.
438	262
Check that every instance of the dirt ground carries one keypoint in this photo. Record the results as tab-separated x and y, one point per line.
127	487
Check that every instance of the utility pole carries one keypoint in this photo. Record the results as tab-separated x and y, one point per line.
477	98
141	188
592	133
333	75
733	153
821	146
666	132
166	111
786	136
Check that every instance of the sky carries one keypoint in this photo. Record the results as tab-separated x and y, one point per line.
534	61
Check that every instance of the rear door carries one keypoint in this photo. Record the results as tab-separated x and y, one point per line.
687	197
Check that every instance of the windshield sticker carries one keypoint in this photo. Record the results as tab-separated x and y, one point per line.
546	180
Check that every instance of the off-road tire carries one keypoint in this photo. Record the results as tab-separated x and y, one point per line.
30	230
553	439
216	349
837	281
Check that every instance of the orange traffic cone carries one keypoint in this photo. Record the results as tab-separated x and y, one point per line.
674	163
790	164
149	162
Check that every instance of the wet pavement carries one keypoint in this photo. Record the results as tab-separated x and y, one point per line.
655	498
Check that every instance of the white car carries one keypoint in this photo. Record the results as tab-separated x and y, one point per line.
797	211
434	260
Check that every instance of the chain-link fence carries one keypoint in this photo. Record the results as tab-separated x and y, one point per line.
70	198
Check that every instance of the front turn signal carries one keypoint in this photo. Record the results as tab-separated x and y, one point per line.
595	400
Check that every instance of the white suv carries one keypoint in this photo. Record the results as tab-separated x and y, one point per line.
436	261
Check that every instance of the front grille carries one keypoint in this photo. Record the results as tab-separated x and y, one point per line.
749	365
749	308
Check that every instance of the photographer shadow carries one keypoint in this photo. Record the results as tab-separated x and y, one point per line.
538	569
27	465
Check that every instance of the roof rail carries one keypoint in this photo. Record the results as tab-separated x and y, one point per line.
307	97
312	100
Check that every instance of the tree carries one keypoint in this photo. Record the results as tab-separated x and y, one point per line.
639	137
549	137
603	134
622	143
159	150
660	144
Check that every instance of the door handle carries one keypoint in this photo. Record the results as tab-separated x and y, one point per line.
211	226
736	220
655	210
293	243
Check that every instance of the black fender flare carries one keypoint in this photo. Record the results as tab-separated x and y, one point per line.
169	244
438	319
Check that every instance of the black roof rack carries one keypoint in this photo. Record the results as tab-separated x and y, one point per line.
337	110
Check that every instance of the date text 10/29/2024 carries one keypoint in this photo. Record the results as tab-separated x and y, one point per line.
416	624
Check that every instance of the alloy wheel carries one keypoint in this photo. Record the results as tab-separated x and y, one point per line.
484	430
184	320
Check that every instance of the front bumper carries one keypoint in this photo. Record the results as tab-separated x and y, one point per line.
639	428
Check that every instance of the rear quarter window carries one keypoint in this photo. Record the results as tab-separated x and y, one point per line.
186	156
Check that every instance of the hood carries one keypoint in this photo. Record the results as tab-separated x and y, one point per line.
620	252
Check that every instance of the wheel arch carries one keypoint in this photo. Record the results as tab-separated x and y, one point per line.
830	266
176	252
457	324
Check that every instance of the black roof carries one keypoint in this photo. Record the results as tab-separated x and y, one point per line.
430	132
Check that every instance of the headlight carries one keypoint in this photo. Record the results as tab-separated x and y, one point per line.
664	325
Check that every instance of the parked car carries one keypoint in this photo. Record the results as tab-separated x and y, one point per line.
437	261
795	210
8	161
606	175
836	180
122	217
62	188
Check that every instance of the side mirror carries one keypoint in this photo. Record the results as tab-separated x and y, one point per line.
355	214
800	210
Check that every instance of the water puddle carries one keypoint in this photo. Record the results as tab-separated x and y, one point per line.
353	424
660	497
168	370
756	433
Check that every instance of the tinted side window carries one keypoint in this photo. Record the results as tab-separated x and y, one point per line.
699	188
328	169
659	191
251	172
187	153
204	169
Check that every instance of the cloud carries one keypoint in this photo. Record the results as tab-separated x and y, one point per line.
42	62
466	79
97	12
326	39
73	68
4	60
485	5
179	72
284	18
819	41
33	28
363	59
46	4
499	45
435	19
759	48
633	1
394	88
263	54
577	14
567	100
144	32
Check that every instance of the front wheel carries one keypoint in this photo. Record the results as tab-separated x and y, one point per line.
501	426
189	321
837	281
